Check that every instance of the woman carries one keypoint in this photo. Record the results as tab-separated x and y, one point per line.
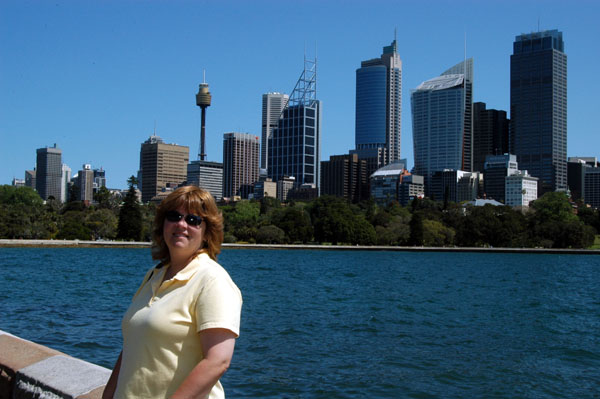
179	331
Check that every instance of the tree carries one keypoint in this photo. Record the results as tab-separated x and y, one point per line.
106	200
336	222
295	222
554	224
10	195
102	223
267	204
435	234
73	227
270	235
23	214
130	215
416	229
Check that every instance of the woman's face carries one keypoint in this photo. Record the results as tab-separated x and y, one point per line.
182	237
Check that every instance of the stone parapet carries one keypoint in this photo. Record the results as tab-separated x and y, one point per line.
32	371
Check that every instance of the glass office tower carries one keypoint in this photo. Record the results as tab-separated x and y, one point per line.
379	105
538	107
442	122
295	145
49	172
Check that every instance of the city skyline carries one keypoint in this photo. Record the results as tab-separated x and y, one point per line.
86	73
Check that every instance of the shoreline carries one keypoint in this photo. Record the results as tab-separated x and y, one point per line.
9	243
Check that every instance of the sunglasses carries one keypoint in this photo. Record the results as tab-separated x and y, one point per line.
192	220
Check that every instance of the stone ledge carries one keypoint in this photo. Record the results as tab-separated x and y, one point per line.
31	371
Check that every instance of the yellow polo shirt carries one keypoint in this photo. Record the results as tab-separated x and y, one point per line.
161	345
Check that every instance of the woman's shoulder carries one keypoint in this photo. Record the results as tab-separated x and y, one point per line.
208	267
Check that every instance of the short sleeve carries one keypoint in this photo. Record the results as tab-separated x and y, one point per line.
219	305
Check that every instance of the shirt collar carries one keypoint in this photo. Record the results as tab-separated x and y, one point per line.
188	272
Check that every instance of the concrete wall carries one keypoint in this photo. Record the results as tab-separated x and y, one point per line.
32	371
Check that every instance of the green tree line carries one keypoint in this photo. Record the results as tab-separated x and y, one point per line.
550	222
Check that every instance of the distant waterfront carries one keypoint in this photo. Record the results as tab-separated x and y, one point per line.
340	324
130	244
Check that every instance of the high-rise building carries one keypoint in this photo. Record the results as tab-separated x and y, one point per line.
99	179
207	175
272	105
162	166
65	183
456	185
490	134
295	145
442	122
496	168
240	163
379	105
538	107
580	179
49	172
592	186
345	176
30	178
85	183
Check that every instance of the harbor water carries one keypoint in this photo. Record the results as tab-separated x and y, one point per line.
345	324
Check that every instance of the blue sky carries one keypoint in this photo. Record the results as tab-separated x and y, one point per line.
95	77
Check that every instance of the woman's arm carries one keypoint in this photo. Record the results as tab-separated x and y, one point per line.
217	345
111	385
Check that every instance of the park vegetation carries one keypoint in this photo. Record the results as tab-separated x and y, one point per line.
552	221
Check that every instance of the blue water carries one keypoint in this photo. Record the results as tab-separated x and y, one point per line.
333	324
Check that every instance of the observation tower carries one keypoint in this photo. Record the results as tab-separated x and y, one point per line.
203	100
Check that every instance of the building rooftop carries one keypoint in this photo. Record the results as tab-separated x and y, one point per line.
392	169
482	202
441	82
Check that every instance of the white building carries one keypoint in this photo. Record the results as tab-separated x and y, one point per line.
64	183
272	105
521	189
284	185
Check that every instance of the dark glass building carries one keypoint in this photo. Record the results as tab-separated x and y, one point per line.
294	147
496	168
490	134
345	176
538	107
49	172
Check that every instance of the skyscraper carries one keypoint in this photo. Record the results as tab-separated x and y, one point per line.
85	183
379	105
49	172
240	163
345	176
538	107
162	166
490	134
443	122
272	105
295	145
64	183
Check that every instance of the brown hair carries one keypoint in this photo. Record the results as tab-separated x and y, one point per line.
198	202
